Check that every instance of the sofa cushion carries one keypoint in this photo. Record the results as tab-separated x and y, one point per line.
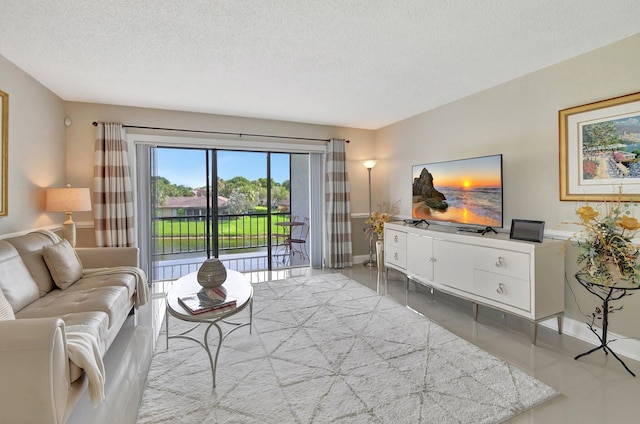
113	301
63	263
117	279
29	246
6	312
16	282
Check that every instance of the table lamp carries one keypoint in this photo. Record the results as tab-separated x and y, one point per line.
68	200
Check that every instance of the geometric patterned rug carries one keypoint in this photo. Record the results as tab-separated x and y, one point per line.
325	349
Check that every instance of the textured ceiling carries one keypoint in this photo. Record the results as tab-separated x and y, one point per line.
356	63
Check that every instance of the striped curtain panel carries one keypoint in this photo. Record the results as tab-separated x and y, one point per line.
112	192
338	207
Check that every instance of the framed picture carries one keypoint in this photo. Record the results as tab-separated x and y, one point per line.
522	229
600	150
4	145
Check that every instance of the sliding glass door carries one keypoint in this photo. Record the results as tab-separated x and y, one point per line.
250	209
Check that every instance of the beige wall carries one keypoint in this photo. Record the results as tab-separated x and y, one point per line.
520	120
36	149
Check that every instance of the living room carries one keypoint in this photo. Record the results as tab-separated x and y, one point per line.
516	117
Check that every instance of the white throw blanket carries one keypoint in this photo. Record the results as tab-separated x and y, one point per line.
142	289
84	351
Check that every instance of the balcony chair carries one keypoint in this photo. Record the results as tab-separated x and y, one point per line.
298	245
281	247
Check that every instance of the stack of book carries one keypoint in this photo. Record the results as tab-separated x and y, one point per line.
207	300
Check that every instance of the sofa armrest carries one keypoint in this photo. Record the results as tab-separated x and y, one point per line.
34	370
103	257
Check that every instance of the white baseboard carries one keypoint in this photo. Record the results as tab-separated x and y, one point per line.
360	259
623	345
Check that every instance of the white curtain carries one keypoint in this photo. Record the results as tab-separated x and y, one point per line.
145	199
112	193
338	206
316	171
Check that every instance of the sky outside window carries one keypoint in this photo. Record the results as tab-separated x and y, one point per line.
187	166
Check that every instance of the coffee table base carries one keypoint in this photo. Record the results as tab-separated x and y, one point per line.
213	361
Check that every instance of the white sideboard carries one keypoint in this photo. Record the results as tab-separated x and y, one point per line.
522	278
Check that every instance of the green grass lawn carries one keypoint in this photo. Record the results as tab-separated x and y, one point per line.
234	232
227	226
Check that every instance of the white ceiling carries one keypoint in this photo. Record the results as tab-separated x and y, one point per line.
355	63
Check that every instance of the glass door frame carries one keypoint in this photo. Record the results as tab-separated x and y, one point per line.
148	138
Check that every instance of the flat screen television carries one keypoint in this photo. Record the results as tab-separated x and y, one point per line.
464	191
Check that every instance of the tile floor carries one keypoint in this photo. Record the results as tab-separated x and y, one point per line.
595	389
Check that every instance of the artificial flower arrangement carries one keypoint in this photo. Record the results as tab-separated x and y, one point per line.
607	251
609	259
375	224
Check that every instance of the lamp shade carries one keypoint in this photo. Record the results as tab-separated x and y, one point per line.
369	163
68	199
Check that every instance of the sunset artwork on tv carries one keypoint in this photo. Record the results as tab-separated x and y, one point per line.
465	191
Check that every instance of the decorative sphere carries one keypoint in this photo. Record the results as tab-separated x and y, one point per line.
212	273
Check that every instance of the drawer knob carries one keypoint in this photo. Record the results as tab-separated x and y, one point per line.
499	262
500	289
395	256
395	239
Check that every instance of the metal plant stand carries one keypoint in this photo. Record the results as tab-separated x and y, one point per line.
607	294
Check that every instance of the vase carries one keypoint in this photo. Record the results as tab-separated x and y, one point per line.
380	254
614	271
614	278
212	273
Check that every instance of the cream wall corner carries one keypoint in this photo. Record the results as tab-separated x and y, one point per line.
36	150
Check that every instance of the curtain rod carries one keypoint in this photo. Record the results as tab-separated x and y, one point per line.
95	124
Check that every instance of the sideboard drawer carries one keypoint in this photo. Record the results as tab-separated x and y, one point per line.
503	262
396	238
396	256
507	290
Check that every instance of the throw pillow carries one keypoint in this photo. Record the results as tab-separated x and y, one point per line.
16	281
6	311
63	263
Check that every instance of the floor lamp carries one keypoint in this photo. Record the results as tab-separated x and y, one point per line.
369	164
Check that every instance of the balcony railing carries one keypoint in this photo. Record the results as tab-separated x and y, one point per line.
243	243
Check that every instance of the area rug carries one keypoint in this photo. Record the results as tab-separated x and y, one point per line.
326	349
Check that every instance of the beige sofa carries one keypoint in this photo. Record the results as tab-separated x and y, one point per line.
60	310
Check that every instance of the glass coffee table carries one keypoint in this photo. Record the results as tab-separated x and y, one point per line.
236	286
